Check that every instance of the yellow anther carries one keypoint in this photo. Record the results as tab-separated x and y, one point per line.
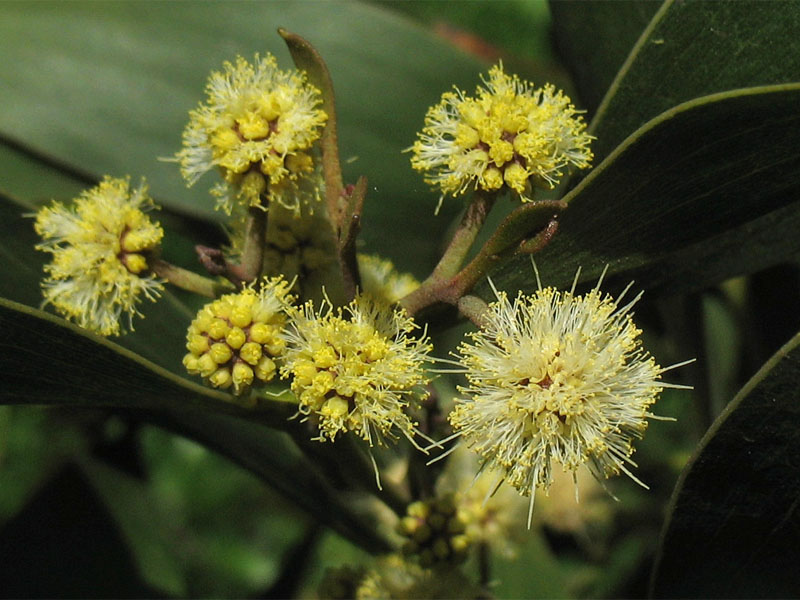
253	126
265	369
235	338
322	382
259	333
253	185
221	378
325	357
269	107
305	372
191	364
271	165
242	376
206	365
250	352
516	177
335	408
466	136
407	525
223	141
135	263
472	113
501	152
492	179
217	329
197	344
300	162
220	352
276	347
137	240
241	316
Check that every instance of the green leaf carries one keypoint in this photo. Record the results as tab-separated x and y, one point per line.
704	192
65	544
141	523
48	361
732	525
693	49
593	39
108	86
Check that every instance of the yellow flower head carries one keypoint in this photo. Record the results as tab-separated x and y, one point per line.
511	135
236	339
356	369
380	280
258	126
555	377
100	249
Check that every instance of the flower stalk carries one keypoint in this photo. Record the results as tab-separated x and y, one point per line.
189	280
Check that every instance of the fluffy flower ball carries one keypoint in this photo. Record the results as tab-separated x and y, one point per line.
236	339
100	247
510	135
356	369
258	126
555	378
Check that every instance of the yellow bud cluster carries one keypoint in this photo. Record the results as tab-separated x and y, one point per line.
435	532
235	340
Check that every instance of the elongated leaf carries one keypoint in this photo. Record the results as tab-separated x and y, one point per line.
47	361
705	191
692	49
593	39
141	524
65	544
733	521
108	86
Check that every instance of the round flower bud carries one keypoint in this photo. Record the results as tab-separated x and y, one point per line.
226	339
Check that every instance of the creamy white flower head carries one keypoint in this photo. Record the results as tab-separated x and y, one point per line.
559	378
258	126
356	369
511	135
380	280
100	249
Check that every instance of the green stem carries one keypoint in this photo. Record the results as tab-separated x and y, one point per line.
432	289
473	308
254	242
188	280
510	239
464	237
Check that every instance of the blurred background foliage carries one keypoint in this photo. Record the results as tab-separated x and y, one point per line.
695	195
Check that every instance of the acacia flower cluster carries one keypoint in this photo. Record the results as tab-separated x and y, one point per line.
100	246
511	135
554	380
235	340
356	369
555	377
258	126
